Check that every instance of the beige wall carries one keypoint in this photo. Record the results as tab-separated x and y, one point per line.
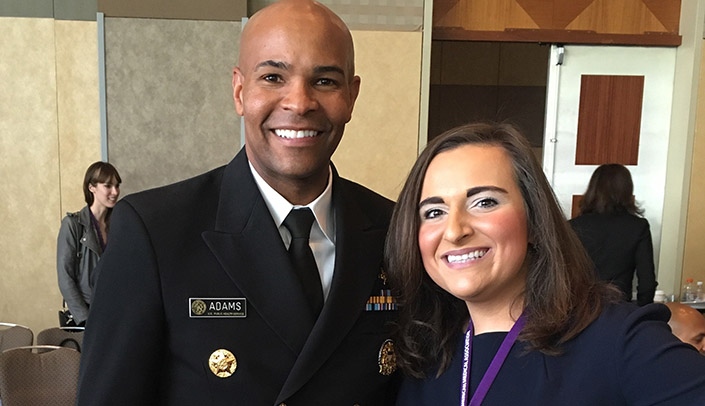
380	142
77	107
49	133
680	147
694	255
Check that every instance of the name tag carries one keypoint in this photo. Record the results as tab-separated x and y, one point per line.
203	307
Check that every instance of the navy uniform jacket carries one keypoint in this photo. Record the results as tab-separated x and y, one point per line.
213	237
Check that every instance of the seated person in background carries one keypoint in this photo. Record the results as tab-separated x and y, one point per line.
614	233
688	325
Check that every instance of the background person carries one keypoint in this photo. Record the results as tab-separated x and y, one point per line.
83	236
614	233
198	301
688	325
491	279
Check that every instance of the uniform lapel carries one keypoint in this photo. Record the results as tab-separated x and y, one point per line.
357	266
248	246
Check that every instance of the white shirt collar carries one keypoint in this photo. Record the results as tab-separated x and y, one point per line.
279	207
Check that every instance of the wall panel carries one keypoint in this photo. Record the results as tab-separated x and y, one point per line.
77	107
625	22
380	143
219	10
694	254
27	8
170	112
609	119
29	168
371	15
497	81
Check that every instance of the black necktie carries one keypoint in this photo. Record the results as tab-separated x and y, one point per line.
299	222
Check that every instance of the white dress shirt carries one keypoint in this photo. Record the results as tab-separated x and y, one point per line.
322	240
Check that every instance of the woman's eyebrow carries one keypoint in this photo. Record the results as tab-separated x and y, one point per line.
479	189
431	200
470	192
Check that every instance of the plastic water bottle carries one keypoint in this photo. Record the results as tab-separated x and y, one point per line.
699	293
688	294
660	297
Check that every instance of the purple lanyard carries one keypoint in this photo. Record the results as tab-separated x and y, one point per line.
494	367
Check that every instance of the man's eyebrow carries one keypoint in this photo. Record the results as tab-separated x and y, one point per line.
326	69
285	66
272	64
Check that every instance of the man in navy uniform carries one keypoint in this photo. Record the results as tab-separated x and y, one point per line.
198	300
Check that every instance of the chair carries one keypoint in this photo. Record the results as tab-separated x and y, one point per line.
71	337
31	377
14	335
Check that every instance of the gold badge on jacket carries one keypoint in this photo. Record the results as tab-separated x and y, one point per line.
222	363
383	276
387	359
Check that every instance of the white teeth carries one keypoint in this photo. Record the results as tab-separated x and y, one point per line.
295	134
466	257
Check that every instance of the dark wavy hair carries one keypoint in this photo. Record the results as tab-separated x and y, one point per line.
562	294
98	172
610	191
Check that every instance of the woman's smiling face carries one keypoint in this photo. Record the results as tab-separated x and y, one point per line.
473	235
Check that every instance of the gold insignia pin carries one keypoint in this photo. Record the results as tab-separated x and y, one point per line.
383	276
222	363
387	359
198	307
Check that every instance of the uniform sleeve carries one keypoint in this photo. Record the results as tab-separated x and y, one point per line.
66	262
122	366
656	367
644	260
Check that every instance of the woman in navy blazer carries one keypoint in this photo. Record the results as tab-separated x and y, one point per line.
499	304
614	233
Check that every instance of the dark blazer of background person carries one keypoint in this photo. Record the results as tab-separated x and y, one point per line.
214	237
619	244
614	233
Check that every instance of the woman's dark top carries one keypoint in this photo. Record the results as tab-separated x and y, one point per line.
619	245
627	356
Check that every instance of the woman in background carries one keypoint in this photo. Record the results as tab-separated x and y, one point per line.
83	236
499	304
614	233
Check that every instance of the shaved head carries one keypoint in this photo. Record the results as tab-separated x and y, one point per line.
688	325
305	16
